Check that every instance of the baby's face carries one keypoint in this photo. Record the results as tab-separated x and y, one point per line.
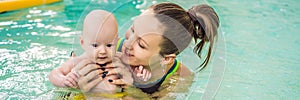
99	42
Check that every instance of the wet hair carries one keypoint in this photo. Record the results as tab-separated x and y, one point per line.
200	22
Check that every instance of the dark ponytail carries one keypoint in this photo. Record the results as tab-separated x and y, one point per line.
206	23
200	22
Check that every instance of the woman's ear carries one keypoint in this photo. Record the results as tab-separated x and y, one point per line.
169	59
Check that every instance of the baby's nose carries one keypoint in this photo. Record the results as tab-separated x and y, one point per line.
101	49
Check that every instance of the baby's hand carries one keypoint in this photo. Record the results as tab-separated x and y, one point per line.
71	80
142	74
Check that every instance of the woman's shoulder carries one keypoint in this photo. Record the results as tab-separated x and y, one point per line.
183	71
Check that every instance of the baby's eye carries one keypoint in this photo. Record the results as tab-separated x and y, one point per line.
95	45
109	45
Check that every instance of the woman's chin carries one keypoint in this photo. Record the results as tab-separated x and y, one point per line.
129	60
125	59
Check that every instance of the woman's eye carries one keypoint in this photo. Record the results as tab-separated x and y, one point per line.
132	29
140	44
109	45
95	45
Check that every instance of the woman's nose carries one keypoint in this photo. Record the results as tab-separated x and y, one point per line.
129	42
128	33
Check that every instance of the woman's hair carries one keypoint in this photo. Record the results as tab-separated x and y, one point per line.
200	22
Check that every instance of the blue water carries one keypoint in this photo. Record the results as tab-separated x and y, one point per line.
258	40
262	42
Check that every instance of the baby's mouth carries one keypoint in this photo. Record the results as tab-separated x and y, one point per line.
101	57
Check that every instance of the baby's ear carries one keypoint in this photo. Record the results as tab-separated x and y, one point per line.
168	59
81	40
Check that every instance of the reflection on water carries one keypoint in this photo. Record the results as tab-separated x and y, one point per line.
28	51
24	73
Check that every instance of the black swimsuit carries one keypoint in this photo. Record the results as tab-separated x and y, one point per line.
155	87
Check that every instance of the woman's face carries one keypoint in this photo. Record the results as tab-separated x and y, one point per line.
142	41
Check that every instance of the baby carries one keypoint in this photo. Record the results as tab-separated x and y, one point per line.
100	32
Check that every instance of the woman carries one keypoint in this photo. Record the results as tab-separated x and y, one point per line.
162	32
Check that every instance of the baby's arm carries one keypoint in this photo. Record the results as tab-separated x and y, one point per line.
63	76
142	73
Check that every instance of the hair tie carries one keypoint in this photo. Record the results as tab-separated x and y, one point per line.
196	23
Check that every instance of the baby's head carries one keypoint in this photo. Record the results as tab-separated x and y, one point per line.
100	31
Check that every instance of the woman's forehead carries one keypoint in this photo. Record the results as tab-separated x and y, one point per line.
146	24
155	23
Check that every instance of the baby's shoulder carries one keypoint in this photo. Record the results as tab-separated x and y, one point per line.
75	60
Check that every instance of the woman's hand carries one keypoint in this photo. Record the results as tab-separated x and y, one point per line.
124	75
142	73
89	75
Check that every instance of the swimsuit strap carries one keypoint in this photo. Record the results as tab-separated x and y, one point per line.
120	44
173	69
158	83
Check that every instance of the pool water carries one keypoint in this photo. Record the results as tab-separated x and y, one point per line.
262	49
261	54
